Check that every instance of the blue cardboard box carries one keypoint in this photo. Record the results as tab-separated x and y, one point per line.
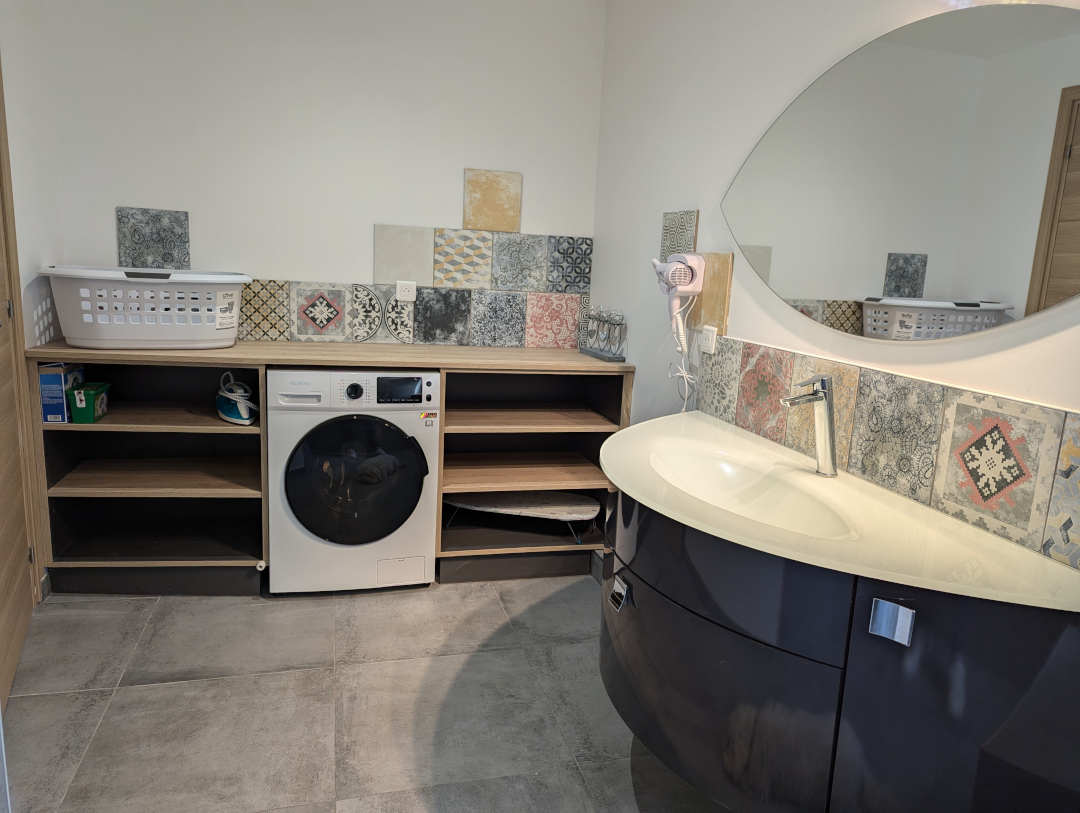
54	380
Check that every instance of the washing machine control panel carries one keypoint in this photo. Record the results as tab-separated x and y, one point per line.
353	390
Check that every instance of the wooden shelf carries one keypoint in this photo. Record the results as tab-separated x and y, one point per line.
157	417
162	477
524	418
519	471
479	541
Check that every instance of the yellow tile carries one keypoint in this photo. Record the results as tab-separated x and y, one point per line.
712	304
492	200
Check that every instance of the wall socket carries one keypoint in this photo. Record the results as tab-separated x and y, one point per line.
708	339
406	292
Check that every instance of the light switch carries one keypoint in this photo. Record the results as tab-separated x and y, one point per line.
406	291
708	339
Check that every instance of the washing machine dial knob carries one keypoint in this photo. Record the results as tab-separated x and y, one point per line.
354	391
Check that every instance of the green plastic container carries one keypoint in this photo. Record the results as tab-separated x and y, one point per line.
88	403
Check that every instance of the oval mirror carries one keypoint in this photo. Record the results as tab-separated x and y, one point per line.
927	185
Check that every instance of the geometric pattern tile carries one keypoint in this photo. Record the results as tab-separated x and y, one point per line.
264	311
570	269
678	233
462	258
492	200
843	315
152	238
442	315
895	433
320	312
718	379
402	252
1061	538
800	419
764	378
520	262
397	317
498	319
995	464
365	313
905	275
551	320
583	320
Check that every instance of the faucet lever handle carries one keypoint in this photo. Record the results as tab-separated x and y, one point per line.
822	382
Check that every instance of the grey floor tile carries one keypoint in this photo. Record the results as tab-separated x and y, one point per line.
557	789
320	807
230	744
193	637
45	737
443	619
429	721
563	609
84	644
643	784
589	723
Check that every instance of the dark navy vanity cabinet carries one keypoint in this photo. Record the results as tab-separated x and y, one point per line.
756	679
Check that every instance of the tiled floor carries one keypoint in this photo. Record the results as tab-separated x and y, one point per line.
471	697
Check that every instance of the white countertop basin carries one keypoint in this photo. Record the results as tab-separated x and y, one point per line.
730	483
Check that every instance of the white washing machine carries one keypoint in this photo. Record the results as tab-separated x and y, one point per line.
353	466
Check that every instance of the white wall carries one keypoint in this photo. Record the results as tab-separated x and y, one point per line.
287	129
689	88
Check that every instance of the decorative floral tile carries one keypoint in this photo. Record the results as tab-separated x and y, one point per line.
442	315
800	419
814	308
905	275
403	252
397	317
1061	539
498	319
718	379
895	432
764	378
995	464
320	311
843	315
492	200
678	233
462	258
551	320
365	313
152	238
571	264
264	311
520	262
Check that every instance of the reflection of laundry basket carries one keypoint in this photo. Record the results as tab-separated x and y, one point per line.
920	319
146	307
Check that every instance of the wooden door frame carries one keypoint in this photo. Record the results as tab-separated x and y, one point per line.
1055	180
28	431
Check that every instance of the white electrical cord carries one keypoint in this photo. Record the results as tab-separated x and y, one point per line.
685	380
236	391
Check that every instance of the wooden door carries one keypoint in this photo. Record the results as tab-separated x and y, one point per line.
16	597
1056	273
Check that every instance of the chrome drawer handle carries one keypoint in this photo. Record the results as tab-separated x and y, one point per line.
620	592
892	621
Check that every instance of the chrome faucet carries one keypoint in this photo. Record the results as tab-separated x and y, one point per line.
822	399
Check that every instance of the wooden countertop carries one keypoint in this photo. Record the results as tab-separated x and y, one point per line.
345	354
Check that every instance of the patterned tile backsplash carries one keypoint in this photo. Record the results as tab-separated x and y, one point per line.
1008	467
905	275
320	312
152	238
462	258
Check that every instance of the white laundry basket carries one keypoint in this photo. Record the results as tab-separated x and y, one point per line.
146	307
920	319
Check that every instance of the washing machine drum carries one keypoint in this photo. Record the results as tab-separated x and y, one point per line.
354	479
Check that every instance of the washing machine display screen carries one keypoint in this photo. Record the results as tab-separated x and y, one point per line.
399	390
354	479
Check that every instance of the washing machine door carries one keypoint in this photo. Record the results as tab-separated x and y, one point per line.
354	479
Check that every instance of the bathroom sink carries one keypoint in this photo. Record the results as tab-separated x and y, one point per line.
775	495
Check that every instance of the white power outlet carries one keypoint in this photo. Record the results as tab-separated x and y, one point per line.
708	339
406	291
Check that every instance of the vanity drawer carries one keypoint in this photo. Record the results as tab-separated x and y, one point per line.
791	605
748	724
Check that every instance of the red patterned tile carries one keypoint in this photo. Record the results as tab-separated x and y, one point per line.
551	320
764	378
